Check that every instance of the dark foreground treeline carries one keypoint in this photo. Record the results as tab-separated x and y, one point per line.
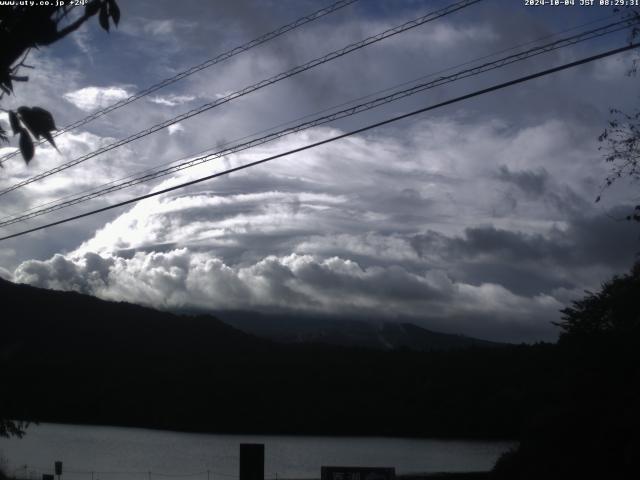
574	406
72	358
592	428
286	390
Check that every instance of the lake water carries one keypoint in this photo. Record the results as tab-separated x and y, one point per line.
113	453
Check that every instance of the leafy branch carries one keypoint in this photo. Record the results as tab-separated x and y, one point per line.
23	28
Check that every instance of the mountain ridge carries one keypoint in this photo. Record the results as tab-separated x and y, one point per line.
288	329
384	335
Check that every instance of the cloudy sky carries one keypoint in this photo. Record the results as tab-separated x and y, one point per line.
477	218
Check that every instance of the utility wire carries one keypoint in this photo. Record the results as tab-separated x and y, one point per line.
357	109
477	93
252	88
190	71
115	186
111	186
304	117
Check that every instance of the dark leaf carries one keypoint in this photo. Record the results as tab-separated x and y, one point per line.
598	199
29	120
92	8
38	120
26	146
15	123
49	139
45	118
20	78
104	17
114	11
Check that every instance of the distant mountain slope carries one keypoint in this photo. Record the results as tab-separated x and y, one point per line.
347	333
58	322
62	320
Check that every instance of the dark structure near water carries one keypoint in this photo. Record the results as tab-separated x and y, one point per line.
251	461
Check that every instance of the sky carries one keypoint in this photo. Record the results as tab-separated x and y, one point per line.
477	218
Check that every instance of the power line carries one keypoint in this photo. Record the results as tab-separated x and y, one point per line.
328	109
324	110
190	71
115	186
477	93
252	88
133	180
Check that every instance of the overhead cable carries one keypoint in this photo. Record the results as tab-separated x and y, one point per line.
252	88
477	93
190	71
151	174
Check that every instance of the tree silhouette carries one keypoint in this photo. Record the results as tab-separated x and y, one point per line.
621	144
613	311
23	27
621	138
594	427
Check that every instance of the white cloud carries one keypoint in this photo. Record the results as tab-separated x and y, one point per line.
163	28
71	181
82	39
6	274
171	100
223	94
613	69
92	98
446	35
175	128
4	120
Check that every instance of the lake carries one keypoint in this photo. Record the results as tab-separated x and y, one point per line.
114	453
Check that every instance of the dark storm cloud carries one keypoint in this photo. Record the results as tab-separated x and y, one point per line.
530	182
588	241
530	264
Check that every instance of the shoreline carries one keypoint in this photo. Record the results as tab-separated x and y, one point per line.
444	438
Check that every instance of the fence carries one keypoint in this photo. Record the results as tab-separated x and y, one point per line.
27	472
